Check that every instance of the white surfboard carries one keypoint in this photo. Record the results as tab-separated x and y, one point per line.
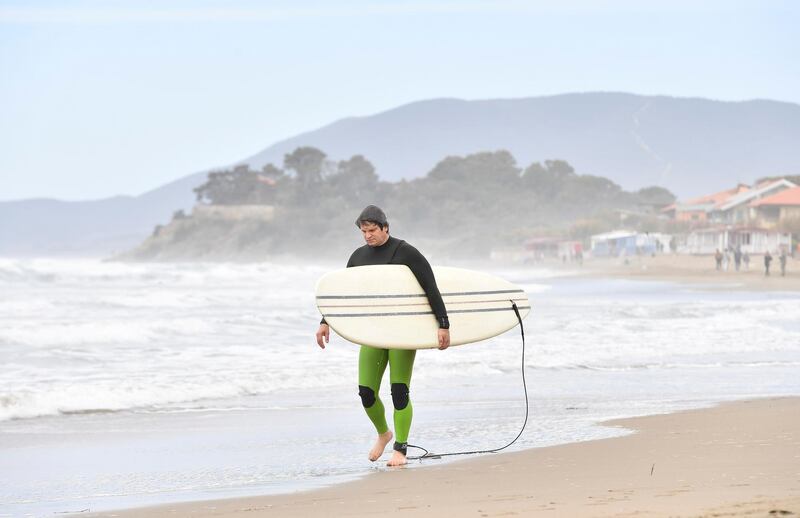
384	306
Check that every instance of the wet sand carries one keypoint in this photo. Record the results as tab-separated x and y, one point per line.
736	459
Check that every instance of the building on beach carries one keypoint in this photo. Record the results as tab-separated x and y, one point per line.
697	210
731	206
738	209
753	219
563	248
541	248
628	242
778	210
753	240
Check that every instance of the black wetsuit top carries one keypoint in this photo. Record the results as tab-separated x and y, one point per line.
397	251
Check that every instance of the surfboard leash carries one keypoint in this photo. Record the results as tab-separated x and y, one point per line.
429	455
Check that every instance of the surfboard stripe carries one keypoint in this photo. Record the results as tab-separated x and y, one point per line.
386	296
423	303
407	313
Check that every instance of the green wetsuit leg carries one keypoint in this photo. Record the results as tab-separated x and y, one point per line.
371	366
401	363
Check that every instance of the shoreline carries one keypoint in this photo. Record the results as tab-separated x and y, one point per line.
696	271
732	459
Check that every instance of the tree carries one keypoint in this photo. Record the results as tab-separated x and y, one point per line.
242	186
587	188
307	164
215	189
479	168
355	179
547	180
271	172
655	195
560	168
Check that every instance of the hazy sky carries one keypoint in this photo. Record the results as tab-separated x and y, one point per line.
99	98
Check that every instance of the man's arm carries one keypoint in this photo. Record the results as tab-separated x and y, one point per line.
411	257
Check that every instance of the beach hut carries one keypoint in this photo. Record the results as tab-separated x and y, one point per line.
628	242
614	243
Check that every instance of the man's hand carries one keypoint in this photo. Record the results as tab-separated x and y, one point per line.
325	332
444	339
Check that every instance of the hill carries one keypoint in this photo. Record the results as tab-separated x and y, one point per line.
688	146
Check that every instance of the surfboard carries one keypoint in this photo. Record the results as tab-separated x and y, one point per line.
384	306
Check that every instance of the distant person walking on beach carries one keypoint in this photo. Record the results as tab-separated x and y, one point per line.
767	260
381	248
718	259
737	257
726	260
746	259
783	263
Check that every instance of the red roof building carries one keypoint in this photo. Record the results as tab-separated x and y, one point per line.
778	208
698	209
789	197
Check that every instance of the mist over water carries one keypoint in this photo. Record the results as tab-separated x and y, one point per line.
124	384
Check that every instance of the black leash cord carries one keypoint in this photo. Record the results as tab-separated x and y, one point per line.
429	455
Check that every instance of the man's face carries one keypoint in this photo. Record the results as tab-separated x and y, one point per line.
373	234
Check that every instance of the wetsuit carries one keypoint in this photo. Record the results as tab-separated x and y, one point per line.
372	361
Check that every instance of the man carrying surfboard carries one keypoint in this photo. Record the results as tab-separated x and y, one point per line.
381	248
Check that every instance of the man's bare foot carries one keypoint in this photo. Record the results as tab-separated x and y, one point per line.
398	459
380	445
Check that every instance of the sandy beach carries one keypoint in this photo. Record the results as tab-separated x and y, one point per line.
696	270
736	459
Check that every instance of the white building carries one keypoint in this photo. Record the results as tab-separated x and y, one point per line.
751	240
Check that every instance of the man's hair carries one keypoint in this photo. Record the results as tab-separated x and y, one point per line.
381	225
372	214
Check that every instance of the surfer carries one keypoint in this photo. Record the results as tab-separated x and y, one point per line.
381	248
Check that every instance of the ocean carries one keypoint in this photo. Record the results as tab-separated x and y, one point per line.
133	384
